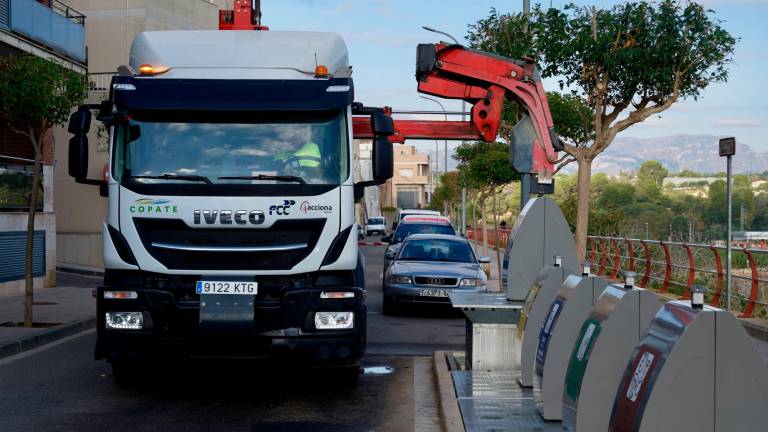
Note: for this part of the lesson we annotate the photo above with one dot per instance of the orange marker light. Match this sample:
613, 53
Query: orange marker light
146, 69
321, 71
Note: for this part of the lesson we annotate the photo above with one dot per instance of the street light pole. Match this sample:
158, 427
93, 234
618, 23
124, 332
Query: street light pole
728, 149
445, 115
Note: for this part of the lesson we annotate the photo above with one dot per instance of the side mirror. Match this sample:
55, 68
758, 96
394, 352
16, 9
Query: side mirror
390, 254
484, 260
382, 125
387, 238
383, 159
78, 156
80, 122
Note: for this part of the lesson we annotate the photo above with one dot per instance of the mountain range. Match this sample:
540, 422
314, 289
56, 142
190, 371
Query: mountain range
676, 152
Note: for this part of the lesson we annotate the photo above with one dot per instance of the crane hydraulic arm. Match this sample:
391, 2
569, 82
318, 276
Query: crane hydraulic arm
483, 80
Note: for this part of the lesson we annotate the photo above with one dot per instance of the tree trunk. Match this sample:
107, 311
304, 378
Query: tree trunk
496, 237
29, 282
582, 206
474, 221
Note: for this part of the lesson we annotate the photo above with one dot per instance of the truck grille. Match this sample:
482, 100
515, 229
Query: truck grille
176, 232
436, 281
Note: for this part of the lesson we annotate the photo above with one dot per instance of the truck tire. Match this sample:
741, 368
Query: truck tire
125, 374
347, 377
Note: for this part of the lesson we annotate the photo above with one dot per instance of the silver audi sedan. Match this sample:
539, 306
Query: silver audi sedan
427, 267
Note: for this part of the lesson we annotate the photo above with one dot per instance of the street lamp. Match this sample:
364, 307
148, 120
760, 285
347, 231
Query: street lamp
728, 149
442, 33
445, 115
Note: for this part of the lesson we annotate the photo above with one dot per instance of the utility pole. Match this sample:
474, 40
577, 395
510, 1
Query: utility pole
728, 149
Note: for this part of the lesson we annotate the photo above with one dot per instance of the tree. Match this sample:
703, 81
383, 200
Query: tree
629, 62
650, 178
35, 95
485, 168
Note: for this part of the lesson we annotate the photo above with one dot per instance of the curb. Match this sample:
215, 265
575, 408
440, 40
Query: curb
26, 343
78, 271
450, 415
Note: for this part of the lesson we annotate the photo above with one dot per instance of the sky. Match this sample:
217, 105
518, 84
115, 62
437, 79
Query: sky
382, 36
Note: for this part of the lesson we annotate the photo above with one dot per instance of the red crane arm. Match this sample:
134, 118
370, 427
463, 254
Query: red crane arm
483, 80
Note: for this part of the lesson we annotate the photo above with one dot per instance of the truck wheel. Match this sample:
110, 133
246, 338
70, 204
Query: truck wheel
125, 374
347, 377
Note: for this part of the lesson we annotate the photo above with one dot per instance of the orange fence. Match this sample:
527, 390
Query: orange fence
676, 267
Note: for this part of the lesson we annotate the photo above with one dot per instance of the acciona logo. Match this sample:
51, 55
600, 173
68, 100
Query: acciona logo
306, 207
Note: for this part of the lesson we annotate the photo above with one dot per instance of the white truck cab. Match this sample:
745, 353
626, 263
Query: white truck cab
230, 170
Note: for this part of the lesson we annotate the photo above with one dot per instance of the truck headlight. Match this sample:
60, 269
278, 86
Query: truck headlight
125, 320
471, 282
334, 320
400, 279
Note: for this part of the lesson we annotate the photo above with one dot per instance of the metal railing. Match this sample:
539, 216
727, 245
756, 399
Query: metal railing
50, 24
673, 267
100, 81
495, 236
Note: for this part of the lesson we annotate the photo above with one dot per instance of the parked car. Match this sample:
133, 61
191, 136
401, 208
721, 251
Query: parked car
427, 267
375, 225
405, 212
416, 224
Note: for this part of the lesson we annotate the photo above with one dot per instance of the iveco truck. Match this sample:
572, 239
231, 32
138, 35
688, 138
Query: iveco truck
230, 228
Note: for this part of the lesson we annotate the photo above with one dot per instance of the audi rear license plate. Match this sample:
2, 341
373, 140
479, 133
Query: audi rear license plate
227, 287
433, 293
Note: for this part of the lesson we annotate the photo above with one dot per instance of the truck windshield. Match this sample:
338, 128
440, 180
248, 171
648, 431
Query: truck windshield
232, 147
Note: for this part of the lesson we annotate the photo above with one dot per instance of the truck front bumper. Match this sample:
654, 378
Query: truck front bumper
276, 328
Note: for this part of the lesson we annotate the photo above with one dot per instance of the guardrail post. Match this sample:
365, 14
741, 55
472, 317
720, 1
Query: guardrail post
630, 254
719, 287
603, 257
667, 269
616, 259
647, 273
691, 272
753, 294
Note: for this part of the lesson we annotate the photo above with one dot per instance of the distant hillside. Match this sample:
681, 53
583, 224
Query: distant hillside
677, 152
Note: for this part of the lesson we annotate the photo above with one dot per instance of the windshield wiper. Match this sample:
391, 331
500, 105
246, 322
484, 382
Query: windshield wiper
175, 177
285, 178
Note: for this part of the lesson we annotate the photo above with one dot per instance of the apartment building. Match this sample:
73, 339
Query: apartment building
110, 26
410, 184
52, 30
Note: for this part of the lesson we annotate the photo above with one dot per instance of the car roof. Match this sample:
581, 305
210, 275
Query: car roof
427, 218
436, 237
418, 211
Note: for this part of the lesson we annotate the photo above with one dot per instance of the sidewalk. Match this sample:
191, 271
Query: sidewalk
70, 307
493, 278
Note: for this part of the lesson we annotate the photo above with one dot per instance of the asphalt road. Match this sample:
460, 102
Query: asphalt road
59, 387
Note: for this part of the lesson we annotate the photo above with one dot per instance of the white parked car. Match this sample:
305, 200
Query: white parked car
375, 225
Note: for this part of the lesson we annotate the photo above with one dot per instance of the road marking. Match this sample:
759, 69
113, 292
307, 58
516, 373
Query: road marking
45, 347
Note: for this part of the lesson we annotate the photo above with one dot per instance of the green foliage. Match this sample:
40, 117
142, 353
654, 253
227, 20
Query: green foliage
627, 208
39, 93
484, 165
389, 209
447, 192
572, 117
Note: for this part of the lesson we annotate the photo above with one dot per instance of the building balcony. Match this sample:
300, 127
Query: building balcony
44, 26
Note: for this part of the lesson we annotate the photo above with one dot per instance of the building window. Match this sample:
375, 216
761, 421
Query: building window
423, 170
406, 173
